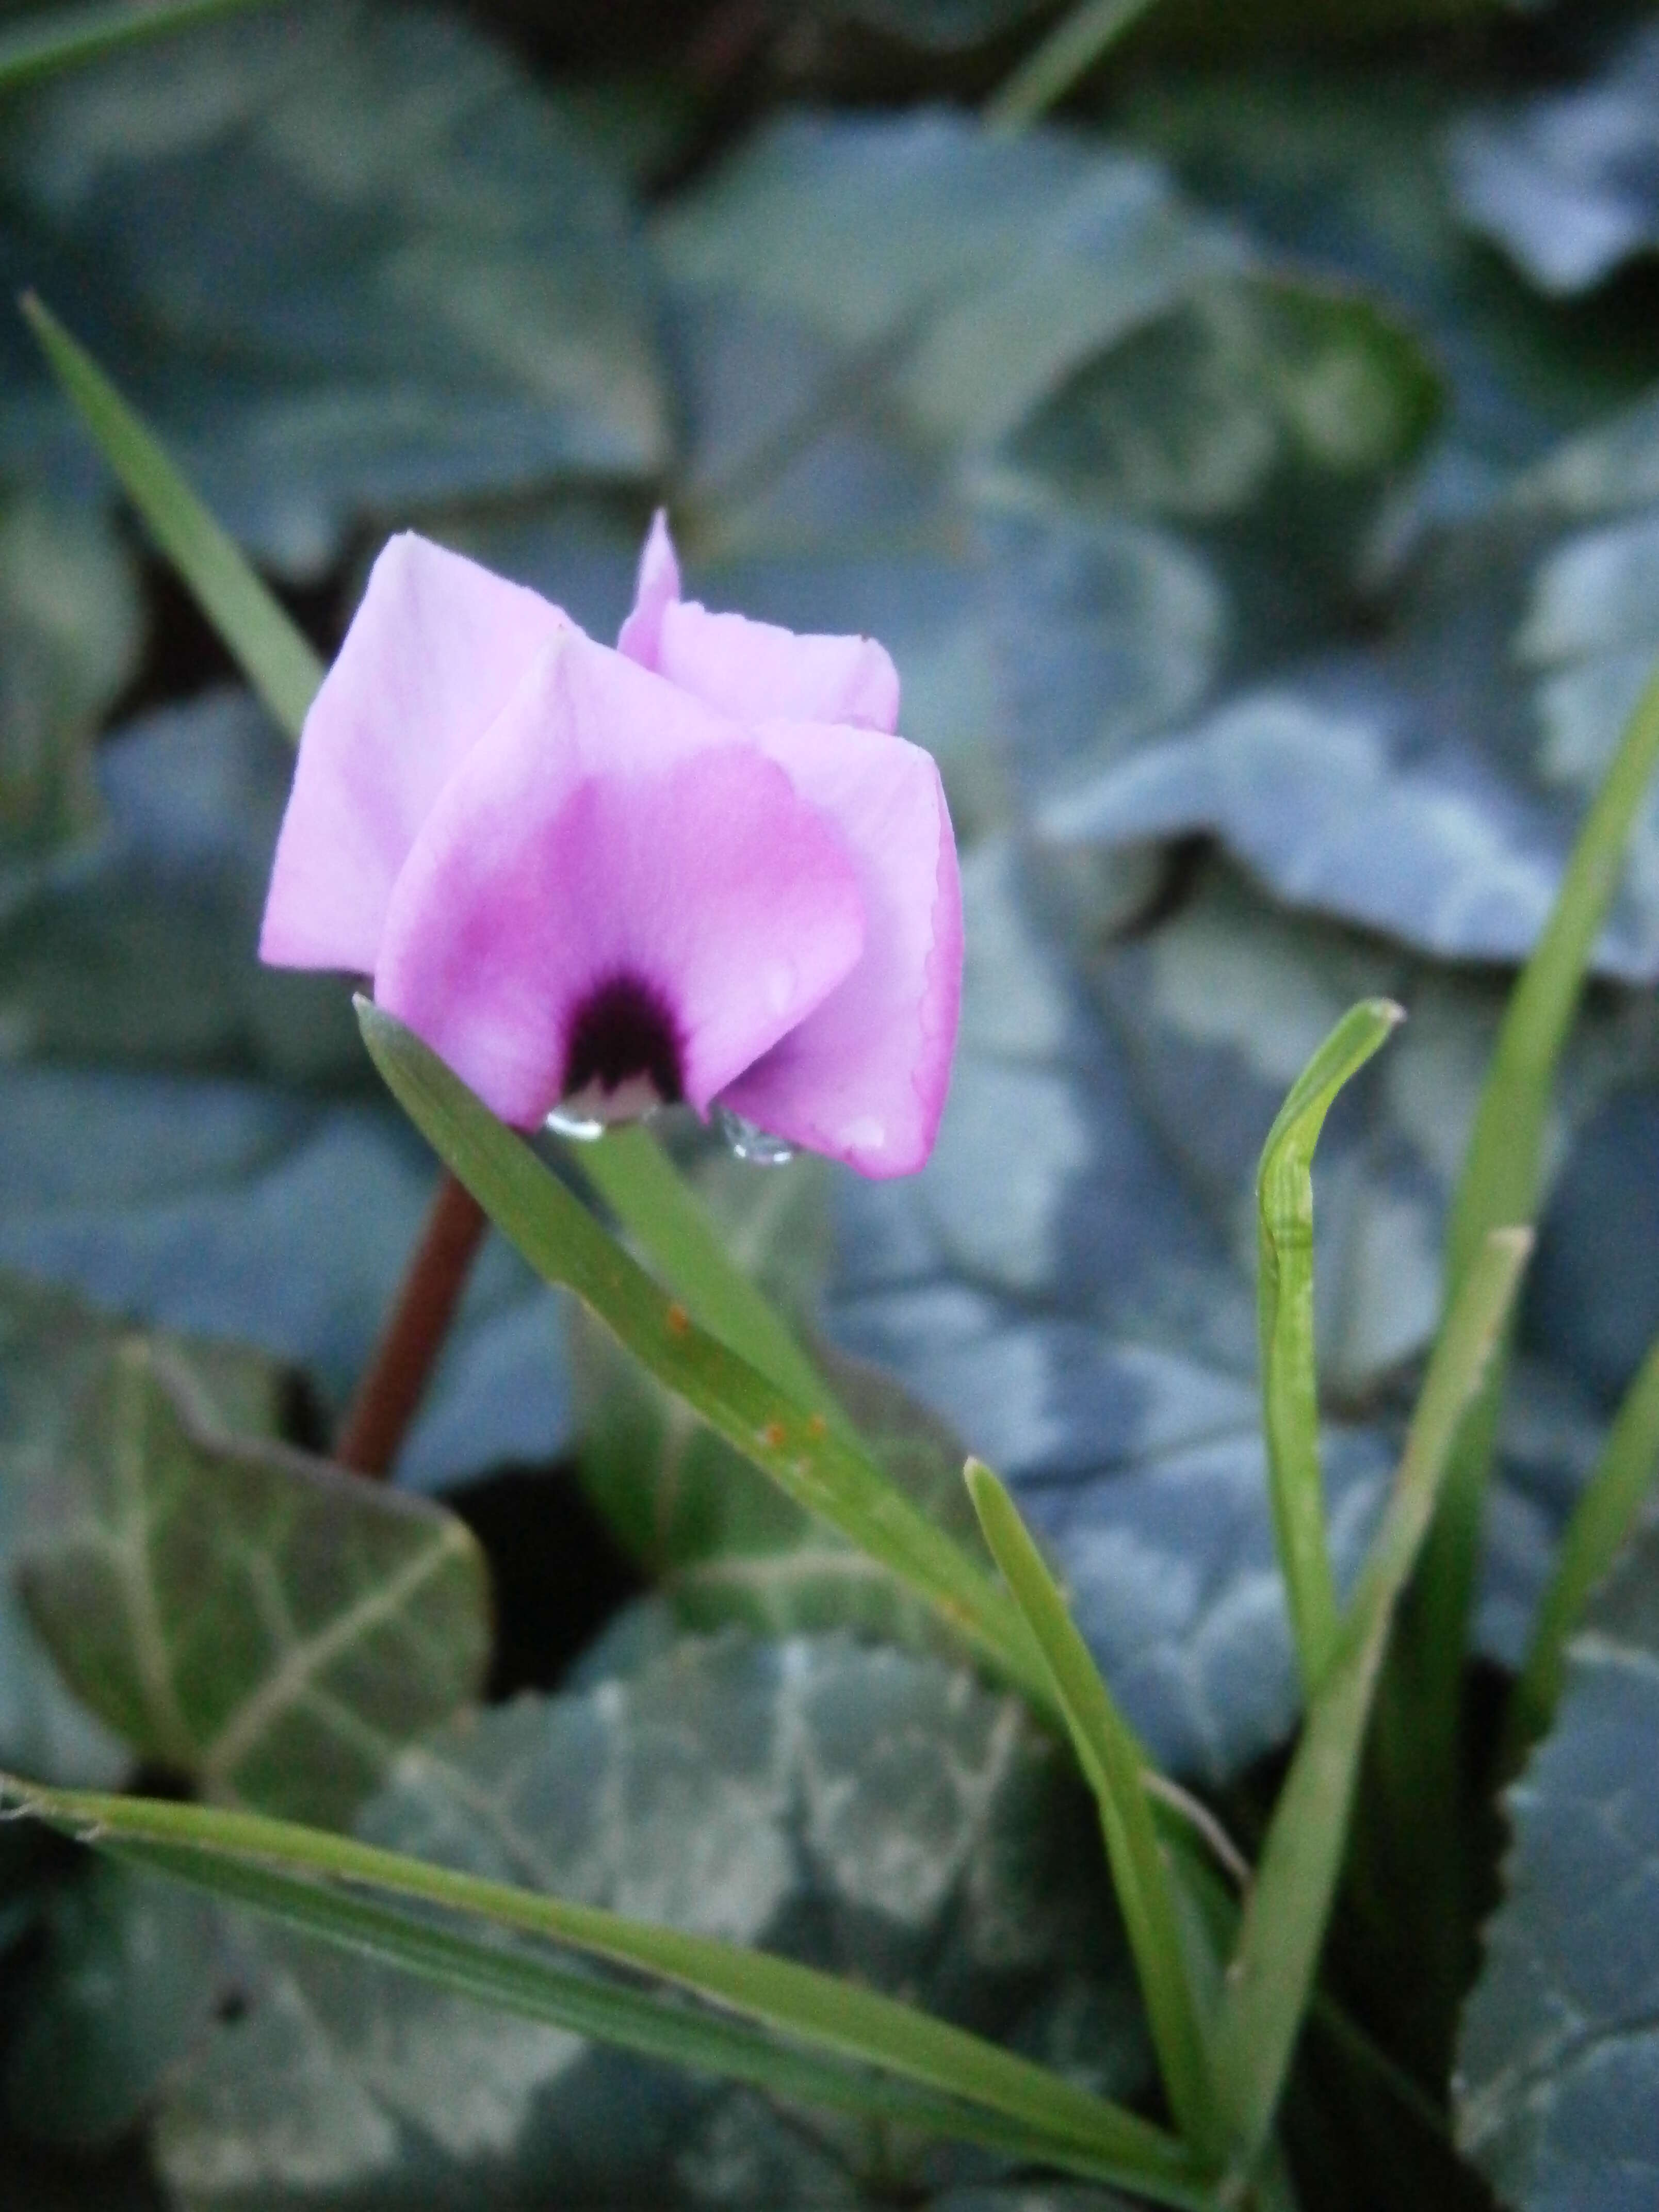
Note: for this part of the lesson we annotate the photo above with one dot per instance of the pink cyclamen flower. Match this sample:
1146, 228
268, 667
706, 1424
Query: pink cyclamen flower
700, 866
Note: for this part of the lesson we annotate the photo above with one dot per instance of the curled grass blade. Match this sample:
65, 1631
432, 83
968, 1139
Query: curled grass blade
831, 2017
813, 1463
276, 658
69, 36
1603, 1518
1112, 1761
1271, 1979
1284, 1309
1049, 72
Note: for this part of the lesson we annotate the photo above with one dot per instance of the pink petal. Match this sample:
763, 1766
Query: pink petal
752, 671
435, 651
864, 1077
610, 828
659, 586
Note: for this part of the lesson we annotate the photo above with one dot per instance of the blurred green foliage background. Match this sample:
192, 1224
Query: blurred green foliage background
1253, 468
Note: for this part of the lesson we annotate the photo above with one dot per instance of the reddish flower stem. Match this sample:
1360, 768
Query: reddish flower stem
377, 1418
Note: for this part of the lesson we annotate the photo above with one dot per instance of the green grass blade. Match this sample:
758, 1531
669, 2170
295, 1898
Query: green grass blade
636, 2019
1602, 1519
1416, 1826
1504, 1167
41, 46
843, 2020
1285, 1308
1112, 1761
672, 1225
272, 655
1068, 53
814, 1463
1270, 1980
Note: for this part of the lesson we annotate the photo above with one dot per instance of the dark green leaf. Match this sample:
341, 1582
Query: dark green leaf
151, 1193
65, 38
1568, 183
957, 321
254, 1619
1558, 2081
1343, 173
456, 307
68, 641
52, 1351
126, 1987
870, 1813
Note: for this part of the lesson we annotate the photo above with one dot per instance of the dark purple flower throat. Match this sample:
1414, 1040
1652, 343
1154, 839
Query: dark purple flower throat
623, 1031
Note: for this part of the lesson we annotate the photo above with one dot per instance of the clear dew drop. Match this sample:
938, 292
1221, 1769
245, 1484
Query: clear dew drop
746, 1142
582, 1127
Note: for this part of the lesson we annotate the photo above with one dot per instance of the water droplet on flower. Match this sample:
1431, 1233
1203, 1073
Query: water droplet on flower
746, 1142
582, 1126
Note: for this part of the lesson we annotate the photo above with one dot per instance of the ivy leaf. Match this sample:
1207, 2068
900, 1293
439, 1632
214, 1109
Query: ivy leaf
1557, 2080
1568, 183
148, 1193
865, 1811
250, 1617
1428, 784
143, 946
1343, 173
1070, 1281
68, 641
457, 309
52, 1351
1014, 262
127, 1985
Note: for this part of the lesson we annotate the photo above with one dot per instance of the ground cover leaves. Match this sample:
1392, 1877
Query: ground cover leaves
1427, 784
865, 1811
53, 1350
1557, 2087
1107, 474
147, 1185
1568, 182
69, 637
349, 260
1070, 1281
241, 1613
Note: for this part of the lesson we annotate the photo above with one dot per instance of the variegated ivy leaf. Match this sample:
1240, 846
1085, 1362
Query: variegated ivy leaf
68, 640
349, 260
254, 1619
875, 1814
1425, 784
1568, 182
1558, 2082
1343, 173
1070, 1281
127, 1973
52, 1351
